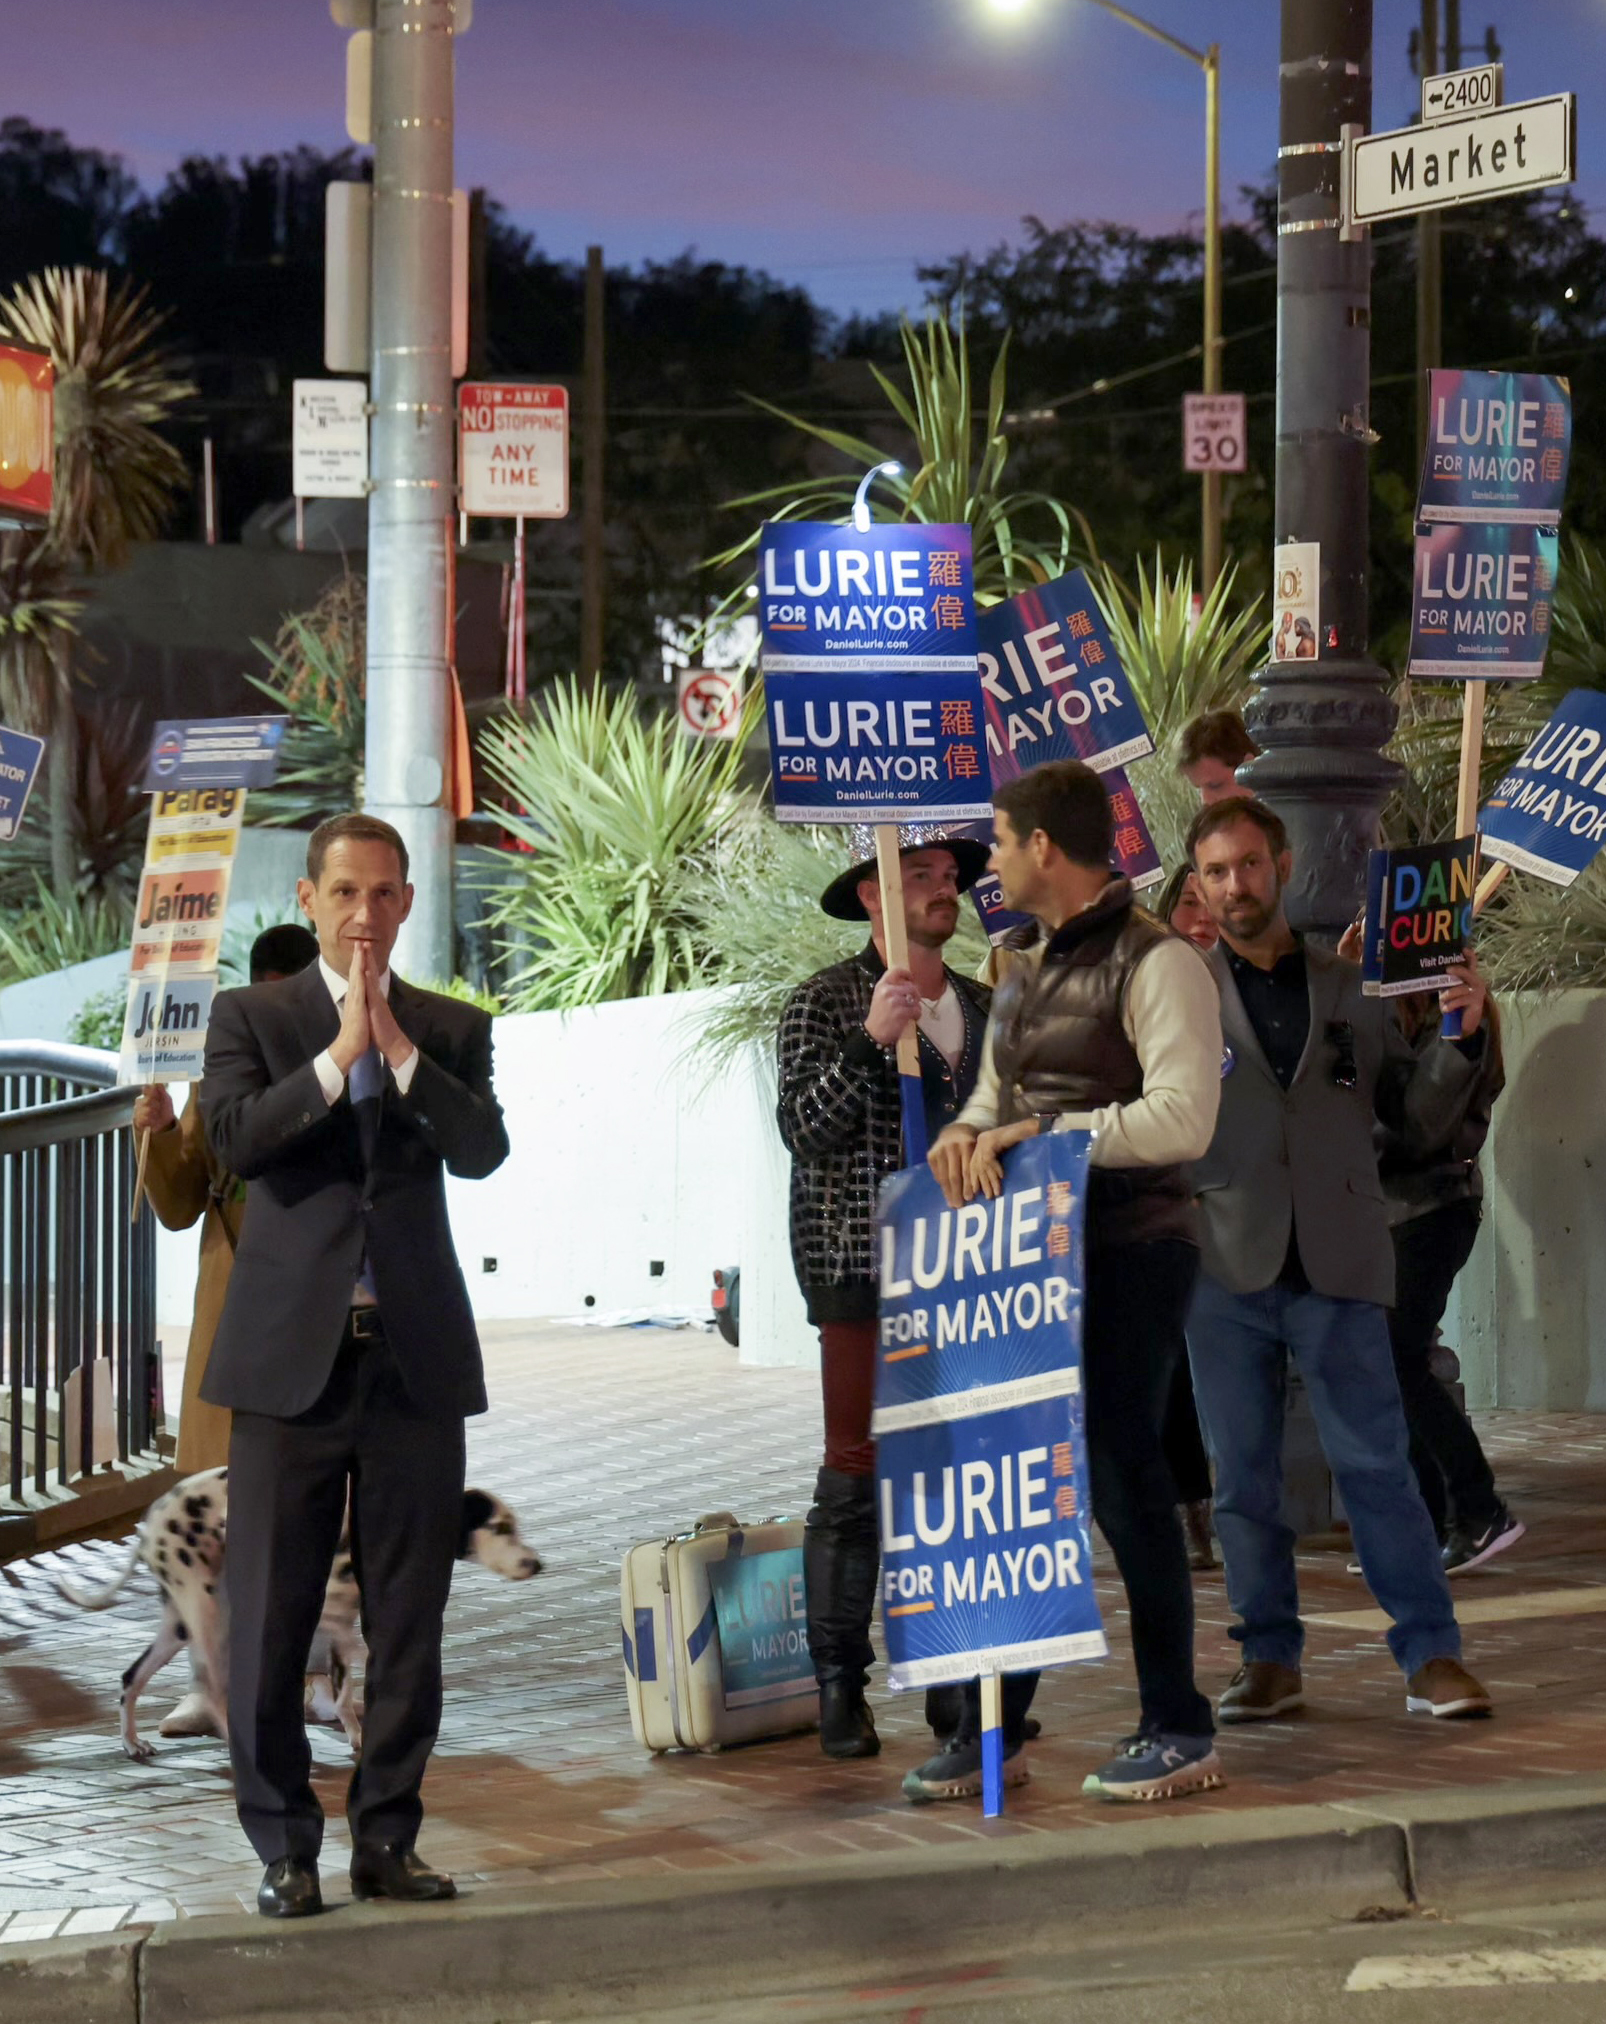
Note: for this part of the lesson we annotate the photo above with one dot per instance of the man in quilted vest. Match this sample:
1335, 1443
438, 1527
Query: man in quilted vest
1108, 1022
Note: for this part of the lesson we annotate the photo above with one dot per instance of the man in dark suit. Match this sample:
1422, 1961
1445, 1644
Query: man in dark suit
346, 1351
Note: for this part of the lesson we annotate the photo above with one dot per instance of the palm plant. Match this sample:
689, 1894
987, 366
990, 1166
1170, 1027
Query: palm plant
115, 476
317, 673
613, 814
54, 931
1179, 665
957, 474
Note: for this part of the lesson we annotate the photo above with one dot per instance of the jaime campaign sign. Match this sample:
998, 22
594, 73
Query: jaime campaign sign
1053, 684
889, 599
1497, 450
1418, 916
1481, 602
979, 1422
1547, 814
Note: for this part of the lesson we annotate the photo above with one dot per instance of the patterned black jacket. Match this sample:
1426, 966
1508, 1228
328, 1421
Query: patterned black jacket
839, 1117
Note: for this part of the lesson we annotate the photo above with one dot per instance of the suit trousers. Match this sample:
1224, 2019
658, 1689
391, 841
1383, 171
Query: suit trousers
288, 1484
1239, 1345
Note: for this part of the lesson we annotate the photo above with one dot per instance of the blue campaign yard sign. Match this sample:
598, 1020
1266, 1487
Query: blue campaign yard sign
851, 747
19, 769
1481, 602
981, 1450
1498, 446
1054, 686
214, 752
893, 598
1547, 814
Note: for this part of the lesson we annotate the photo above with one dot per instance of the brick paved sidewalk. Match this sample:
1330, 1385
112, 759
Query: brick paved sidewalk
602, 1438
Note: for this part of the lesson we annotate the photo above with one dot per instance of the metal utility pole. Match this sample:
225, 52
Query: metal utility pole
1429, 248
411, 459
592, 519
1322, 724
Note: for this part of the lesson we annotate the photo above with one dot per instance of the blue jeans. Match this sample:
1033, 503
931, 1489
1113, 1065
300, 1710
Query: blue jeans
1239, 1345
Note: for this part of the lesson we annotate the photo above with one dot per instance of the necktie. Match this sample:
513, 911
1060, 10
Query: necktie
365, 1083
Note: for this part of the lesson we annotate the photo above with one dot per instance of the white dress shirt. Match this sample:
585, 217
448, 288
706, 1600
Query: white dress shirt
330, 1079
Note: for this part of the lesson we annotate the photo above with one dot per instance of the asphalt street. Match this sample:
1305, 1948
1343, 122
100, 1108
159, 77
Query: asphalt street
1511, 1965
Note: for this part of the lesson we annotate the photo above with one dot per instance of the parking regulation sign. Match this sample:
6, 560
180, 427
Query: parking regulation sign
513, 451
710, 703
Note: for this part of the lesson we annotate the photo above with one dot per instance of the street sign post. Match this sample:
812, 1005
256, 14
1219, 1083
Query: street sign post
1215, 433
1454, 92
1495, 153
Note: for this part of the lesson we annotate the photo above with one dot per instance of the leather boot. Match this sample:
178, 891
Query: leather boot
841, 1558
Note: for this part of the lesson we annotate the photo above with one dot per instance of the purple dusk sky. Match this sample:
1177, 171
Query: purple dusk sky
835, 142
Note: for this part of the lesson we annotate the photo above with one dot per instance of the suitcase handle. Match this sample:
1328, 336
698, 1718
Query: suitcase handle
717, 1521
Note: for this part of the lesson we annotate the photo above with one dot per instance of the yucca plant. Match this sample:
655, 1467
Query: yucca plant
317, 674
1017, 538
613, 813
53, 932
1179, 665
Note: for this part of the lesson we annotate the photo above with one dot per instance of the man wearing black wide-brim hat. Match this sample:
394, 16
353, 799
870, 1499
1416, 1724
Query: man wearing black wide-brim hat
839, 1114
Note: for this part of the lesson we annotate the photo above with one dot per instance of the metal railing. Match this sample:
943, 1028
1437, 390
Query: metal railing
77, 1275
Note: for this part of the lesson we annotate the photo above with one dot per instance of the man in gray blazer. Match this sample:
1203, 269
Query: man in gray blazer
1297, 1261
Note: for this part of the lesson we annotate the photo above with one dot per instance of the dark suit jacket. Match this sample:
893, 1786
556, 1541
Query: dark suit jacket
315, 1208
1303, 1158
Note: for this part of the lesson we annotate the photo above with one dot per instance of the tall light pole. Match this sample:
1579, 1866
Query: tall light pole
408, 723
1209, 61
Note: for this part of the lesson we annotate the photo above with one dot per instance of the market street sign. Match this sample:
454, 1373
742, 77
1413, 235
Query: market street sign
1460, 161
1454, 92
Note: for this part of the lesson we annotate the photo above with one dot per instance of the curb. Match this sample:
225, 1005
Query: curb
584, 1950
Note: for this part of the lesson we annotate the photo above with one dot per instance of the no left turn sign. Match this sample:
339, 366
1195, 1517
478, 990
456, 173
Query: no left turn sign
710, 703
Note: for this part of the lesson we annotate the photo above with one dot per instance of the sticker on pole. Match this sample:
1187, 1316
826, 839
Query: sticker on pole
897, 598
513, 451
1053, 684
1296, 601
1547, 814
1215, 432
710, 702
20, 757
214, 752
980, 1423
1498, 448
1481, 602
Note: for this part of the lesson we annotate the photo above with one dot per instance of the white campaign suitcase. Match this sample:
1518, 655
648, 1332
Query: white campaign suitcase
716, 1645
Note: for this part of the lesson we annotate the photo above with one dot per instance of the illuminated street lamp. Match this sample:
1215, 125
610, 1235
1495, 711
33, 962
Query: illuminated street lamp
1209, 61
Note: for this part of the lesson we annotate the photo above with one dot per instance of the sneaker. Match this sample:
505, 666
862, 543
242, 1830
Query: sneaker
1160, 1766
1260, 1690
1445, 1688
955, 1773
1467, 1549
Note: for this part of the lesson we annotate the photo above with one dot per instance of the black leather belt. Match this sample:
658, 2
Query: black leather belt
365, 1324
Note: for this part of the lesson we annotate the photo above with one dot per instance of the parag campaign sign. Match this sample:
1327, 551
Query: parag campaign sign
1547, 814
1481, 601
979, 1422
870, 686
1497, 449
1053, 684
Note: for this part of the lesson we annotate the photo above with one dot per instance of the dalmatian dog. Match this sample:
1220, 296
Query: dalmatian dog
181, 1540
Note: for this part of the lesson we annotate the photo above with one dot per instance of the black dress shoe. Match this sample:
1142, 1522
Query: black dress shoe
387, 1869
289, 1889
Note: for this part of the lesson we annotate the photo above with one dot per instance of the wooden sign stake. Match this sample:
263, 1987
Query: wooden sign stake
889, 868
139, 1175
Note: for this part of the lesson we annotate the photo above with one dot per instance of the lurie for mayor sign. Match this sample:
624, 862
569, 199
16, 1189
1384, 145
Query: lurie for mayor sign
1481, 601
870, 686
979, 1422
1498, 448
1547, 814
1053, 685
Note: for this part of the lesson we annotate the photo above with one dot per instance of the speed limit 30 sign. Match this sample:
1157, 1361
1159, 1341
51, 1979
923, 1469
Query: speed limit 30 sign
1215, 433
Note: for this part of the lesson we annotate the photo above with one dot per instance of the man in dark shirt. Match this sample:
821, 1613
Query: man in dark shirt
1298, 1261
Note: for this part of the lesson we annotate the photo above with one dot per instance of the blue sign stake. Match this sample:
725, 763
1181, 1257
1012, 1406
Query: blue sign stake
992, 1745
